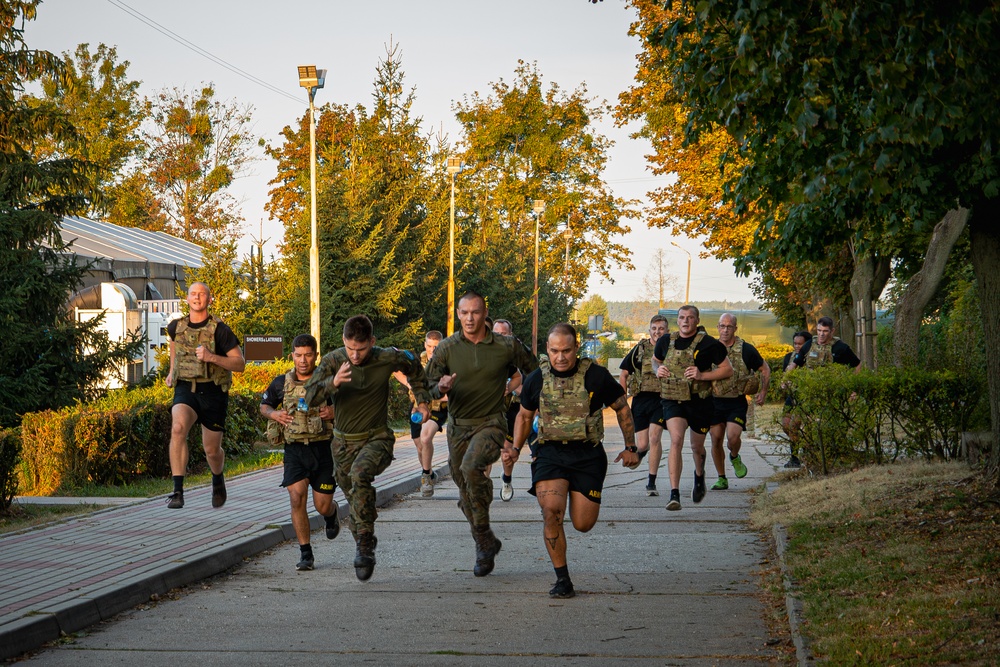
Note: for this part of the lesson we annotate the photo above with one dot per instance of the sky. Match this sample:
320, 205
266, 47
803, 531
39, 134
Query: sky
450, 48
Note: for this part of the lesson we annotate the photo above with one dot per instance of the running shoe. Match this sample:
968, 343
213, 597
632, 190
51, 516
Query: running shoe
721, 485
674, 503
738, 467
794, 463
506, 492
651, 490
698, 492
306, 563
563, 589
427, 483
175, 500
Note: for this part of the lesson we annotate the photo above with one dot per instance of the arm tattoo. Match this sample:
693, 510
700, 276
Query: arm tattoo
625, 421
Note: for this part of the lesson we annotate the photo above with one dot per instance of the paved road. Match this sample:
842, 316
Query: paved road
654, 587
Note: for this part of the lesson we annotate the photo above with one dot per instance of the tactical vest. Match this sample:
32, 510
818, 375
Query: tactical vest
306, 426
564, 408
742, 382
187, 366
820, 355
644, 378
677, 387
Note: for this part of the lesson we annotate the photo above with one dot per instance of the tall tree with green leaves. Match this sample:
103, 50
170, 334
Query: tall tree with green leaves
198, 146
95, 93
47, 359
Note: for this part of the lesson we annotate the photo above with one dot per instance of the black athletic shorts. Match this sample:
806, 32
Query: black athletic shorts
584, 465
512, 411
313, 462
646, 410
698, 412
730, 410
208, 401
437, 416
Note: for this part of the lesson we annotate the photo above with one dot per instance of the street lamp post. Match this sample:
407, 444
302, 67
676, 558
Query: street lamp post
539, 208
454, 166
313, 79
687, 289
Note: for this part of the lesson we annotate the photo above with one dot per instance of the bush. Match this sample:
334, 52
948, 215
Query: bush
774, 354
121, 437
849, 419
10, 458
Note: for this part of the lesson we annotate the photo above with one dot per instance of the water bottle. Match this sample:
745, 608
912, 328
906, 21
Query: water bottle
416, 418
302, 405
534, 424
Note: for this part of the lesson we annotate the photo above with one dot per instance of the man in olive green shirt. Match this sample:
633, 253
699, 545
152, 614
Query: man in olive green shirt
472, 366
356, 377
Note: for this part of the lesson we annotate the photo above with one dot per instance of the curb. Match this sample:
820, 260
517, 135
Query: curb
31, 632
793, 605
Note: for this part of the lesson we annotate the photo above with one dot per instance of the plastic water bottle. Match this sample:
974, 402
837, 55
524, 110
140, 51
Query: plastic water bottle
416, 418
534, 424
302, 405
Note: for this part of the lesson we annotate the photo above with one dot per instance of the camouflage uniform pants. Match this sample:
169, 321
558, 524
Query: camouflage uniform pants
356, 464
470, 450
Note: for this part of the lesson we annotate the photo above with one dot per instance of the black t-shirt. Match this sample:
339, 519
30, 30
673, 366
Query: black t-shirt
628, 363
274, 395
787, 360
602, 387
709, 351
842, 354
225, 339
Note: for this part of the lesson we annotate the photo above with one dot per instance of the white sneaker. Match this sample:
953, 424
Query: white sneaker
427, 485
507, 492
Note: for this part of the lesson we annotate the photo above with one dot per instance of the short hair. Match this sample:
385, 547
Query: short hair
804, 335
433, 334
472, 294
305, 340
659, 318
825, 322
203, 284
358, 328
735, 323
507, 324
697, 313
562, 329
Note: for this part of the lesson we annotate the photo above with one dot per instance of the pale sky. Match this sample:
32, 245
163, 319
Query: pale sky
450, 48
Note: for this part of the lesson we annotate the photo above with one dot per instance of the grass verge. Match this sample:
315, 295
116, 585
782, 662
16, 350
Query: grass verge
895, 565
19, 517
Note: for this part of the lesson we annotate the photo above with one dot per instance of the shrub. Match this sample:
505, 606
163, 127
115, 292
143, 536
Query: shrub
10, 458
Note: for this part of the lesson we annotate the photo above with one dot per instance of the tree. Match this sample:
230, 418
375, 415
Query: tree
198, 147
94, 92
47, 360
857, 124
658, 280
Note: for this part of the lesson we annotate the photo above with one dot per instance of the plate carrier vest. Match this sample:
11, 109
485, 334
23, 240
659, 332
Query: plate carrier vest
820, 355
564, 408
645, 379
307, 426
742, 382
187, 366
677, 387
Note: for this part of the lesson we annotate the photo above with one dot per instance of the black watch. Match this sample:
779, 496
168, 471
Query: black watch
632, 449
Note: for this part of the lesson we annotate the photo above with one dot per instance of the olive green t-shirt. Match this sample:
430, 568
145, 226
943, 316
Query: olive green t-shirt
481, 372
363, 403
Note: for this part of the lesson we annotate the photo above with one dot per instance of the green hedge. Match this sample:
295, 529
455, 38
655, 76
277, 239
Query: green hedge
848, 419
119, 438
10, 459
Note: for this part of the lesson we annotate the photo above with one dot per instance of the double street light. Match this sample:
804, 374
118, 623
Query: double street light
454, 166
313, 79
539, 208
687, 289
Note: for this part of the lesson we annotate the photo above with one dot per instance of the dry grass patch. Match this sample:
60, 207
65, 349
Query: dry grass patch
896, 565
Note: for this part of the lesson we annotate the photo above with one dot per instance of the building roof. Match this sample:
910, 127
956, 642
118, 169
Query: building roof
91, 238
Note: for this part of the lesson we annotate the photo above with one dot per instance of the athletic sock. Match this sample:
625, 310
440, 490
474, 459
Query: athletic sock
306, 549
426, 472
217, 479
722, 476
562, 572
732, 457
178, 483
506, 478
652, 480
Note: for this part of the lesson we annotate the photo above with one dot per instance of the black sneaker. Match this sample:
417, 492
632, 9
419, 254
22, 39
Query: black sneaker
332, 525
794, 463
306, 563
674, 503
698, 492
219, 494
563, 589
175, 500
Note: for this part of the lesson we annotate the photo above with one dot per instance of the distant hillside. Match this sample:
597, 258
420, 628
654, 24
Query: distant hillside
636, 314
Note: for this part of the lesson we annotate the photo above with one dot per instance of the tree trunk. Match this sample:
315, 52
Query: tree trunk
871, 273
984, 231
923, 285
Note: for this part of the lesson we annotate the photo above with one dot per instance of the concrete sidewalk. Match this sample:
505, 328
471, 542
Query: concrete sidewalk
65, 577
653, 587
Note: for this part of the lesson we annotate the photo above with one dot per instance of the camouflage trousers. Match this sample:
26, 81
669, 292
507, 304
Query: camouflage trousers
470, 450
356, 464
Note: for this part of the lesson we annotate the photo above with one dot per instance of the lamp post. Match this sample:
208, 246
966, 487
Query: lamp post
539, 208
454, 166
312, 79
687, 289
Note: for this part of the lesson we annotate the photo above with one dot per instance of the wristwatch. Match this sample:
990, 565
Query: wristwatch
632, 449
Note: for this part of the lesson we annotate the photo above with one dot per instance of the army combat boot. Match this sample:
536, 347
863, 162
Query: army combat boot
487, 547
364, 558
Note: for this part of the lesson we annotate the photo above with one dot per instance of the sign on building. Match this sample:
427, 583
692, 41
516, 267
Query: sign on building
263, 348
